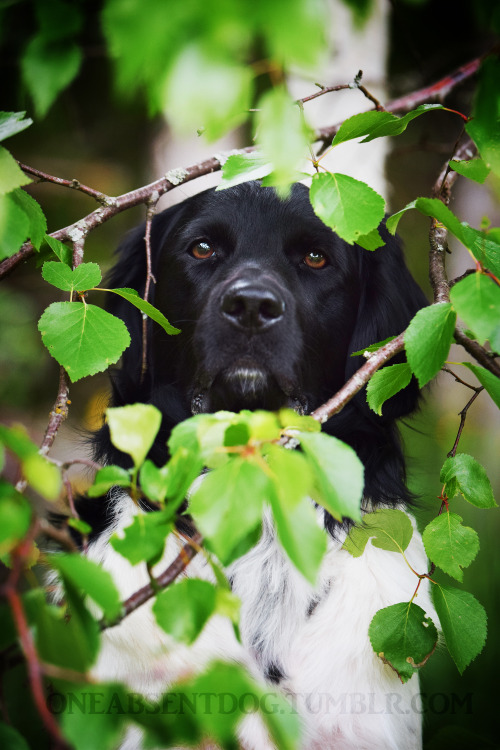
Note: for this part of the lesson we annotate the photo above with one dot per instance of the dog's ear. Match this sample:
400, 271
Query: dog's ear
390, 297
130, 271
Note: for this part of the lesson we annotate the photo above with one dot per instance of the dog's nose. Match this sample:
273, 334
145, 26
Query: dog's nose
249, 305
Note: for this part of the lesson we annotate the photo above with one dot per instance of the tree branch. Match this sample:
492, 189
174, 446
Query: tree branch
140, 597
177, 177
358, 380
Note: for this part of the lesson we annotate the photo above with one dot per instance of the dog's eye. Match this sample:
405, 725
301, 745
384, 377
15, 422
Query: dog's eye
202, 251
315, 260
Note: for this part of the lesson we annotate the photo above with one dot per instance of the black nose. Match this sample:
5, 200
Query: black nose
250, 305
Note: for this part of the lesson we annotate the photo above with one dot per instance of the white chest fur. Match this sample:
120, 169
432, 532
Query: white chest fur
316, 639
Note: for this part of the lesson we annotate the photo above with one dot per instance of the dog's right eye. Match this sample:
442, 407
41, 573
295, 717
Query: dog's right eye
202, 251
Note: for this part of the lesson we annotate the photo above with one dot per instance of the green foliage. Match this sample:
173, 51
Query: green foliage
42, 475
375, 124
450, 545
403, 636
477, 301
462, 473
133, 429
350, 207
183, 609
83, 338
387, 529
484, 126
463, 621
96, 582
145, 539
386, 383
133, 297
474, 169
428, 339
52, 58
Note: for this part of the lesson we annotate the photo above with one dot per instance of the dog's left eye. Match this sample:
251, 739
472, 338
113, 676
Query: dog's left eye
315, 260
202, 251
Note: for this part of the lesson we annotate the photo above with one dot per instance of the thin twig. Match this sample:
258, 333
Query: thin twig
58, 413
140, 597
152, 203
72, 184
358, 380
463, 415
177, 177
35, 674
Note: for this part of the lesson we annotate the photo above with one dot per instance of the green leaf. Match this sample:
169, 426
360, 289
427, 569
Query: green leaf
484, 247
105, 728
240, 168
428, 339
462, 473
489, 381
108, 477
133, 429
375, 124
209, 90
388, 529
12, 123
11, 175
91, 578
15, 517
463, 621
183, 609
10, 738
338, 474
79, 525
303, 540
403, 636
350, 207
282, 136
474, 169
154, 481
83, 277
144, 540
47, 69
227, 505
371, 241
83, 338
290, 421
291, 474
484, 127
293, 31
477, 301
36, 217
43, 476
432, 207
385, 383
450, 545
14, 226
133, 297
63, 252
372, 347
68, 638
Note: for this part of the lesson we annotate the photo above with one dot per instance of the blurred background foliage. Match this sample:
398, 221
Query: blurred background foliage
107, 136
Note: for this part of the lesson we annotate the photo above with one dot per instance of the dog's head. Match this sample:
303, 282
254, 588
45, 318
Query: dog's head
270, 303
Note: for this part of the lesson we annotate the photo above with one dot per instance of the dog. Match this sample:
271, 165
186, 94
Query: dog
271, 303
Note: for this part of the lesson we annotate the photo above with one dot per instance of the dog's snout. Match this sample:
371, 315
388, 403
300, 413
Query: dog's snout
250, 305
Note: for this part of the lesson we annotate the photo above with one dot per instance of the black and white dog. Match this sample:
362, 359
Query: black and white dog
271, 303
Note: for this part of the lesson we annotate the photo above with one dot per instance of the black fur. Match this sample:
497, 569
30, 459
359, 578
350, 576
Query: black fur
256, 305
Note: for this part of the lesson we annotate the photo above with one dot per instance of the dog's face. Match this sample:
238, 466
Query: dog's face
270, 303
266, 297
